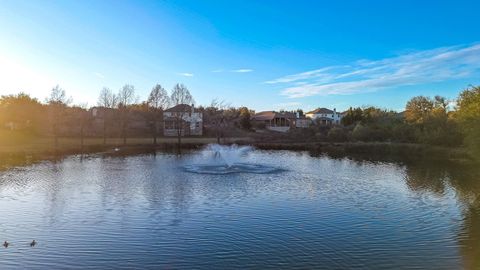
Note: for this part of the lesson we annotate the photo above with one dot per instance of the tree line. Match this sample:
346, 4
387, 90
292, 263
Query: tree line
120, 113
425, 120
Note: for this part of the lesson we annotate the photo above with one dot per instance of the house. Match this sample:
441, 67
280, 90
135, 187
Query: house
325, 116
183, 118
280, 121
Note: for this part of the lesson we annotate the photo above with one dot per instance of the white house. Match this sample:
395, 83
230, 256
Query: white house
325, 116
190, 119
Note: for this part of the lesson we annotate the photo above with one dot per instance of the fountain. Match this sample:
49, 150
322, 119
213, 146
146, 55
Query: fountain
227, 159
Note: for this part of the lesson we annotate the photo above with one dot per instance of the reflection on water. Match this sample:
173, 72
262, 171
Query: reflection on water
147, 212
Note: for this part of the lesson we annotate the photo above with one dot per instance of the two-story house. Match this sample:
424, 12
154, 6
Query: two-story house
183, 118
325, 116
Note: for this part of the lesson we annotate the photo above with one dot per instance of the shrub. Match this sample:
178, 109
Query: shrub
337, 134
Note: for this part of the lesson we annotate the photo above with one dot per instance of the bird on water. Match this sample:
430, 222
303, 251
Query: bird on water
6, 244
33, 243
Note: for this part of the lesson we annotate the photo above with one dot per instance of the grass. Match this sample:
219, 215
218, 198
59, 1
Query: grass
17, 148
46, 144
20, 148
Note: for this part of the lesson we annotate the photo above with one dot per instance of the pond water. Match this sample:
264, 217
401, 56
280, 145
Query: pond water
153, 212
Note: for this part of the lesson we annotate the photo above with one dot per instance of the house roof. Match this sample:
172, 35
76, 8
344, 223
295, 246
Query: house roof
321, 110
181, 108
269, 115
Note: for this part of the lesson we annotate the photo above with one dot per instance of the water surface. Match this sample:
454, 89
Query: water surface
147, 212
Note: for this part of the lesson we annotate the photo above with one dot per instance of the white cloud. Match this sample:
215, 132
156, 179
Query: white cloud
99, 75
288, 105
362, 76
186, 74
242, 70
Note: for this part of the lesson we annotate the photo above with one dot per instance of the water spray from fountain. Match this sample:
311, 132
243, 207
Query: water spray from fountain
227, 159
227, 154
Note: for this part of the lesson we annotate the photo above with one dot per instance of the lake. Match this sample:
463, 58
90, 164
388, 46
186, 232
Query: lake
148, 211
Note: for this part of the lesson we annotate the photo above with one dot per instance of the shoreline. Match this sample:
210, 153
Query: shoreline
24, 154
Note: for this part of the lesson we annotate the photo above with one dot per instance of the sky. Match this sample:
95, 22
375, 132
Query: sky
266, 55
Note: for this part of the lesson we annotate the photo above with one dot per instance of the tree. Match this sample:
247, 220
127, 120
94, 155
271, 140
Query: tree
108, 101
21, 112
82, 118
245, 117
440, 102
126, 97
418, 109
361, 133
180, 96
157, 101
468, 115
57, 103
216, 117
431, 122
352, 116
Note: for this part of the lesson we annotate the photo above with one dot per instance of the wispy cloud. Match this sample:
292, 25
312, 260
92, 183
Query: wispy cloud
288, 105
242, 70
99, 75
412, 68
186, 74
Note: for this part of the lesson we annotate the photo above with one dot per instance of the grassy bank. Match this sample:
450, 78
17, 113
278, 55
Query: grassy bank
375, 150
20, 149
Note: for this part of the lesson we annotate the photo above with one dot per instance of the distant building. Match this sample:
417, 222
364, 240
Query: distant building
280, 121
325, 116
187, 117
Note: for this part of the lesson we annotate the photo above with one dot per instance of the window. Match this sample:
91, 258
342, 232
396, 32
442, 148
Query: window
168, 124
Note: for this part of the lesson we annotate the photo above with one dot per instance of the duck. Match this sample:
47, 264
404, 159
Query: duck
33, 243
6, 244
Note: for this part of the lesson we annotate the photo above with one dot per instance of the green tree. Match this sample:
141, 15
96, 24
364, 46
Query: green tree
21, 112
245, 117
418, 109
352, 116
361, 133
468, 115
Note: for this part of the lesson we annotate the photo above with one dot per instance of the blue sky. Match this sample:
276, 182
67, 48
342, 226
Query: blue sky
261, 54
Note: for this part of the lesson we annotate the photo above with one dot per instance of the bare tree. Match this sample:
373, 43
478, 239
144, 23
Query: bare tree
84, 119
108, 101
157, 101
57, 102
180, 96
126, 97
216, 117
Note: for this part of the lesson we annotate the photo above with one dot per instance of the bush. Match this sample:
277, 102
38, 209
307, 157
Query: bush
337, 134
361, 133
